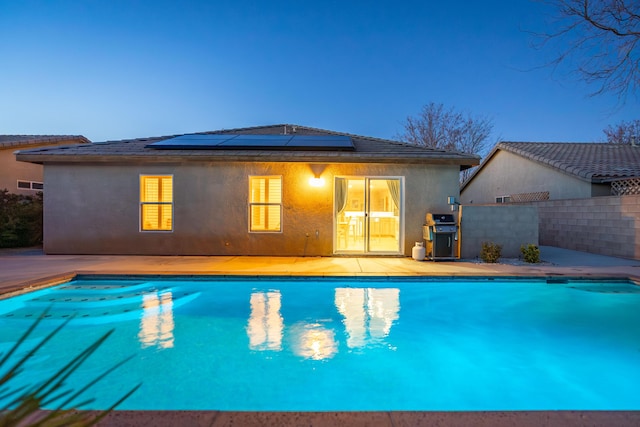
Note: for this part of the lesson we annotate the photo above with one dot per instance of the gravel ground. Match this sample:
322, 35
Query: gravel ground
506, 261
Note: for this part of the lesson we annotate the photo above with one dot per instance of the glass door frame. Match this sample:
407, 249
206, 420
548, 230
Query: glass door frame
366, 209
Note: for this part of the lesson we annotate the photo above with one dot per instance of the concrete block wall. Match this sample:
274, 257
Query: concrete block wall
508, 225
600, 225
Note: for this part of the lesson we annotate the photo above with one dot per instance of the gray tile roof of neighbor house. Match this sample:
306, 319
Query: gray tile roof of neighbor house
367, 150
17, 141
592, 162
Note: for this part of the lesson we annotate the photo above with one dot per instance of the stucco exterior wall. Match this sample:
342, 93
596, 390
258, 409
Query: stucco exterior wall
508, 225
603, 225
507, 173
94, 208
11, 171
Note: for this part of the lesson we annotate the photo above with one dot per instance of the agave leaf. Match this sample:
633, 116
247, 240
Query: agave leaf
57, 380
15, 369
22, 339
27, 402
5, 392
94, 381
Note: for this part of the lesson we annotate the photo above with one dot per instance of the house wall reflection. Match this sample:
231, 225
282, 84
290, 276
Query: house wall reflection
368, 315
156, 324
266, 325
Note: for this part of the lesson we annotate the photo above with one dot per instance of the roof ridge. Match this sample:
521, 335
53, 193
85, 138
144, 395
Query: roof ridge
37, 135
555, 143
368, 150
561, 164
595, 162
331, 132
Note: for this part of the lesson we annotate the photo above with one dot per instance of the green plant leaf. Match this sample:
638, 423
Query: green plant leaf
25, 407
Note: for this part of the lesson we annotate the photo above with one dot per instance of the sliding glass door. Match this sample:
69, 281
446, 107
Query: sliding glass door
368, 215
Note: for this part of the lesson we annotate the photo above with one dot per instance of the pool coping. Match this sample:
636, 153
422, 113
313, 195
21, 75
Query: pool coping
56, 279
568, 418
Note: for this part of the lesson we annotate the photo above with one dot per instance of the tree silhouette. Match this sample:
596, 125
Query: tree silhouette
437, 126
600, 40
624, 133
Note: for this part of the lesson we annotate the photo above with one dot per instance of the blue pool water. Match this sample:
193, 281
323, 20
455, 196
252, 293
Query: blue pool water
343, 344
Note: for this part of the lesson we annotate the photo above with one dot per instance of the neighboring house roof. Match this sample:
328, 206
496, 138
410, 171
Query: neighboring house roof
367, 149
591, 162
17, 141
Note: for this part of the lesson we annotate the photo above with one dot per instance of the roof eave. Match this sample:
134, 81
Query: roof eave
48, 141
482, 164
333, 157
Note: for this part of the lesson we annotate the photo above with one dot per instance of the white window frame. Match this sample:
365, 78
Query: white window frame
31, 185
401, 217
250, 204
141, 203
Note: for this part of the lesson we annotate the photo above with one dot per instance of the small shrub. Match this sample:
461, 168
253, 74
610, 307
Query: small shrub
20, 220
490, 252
530, 253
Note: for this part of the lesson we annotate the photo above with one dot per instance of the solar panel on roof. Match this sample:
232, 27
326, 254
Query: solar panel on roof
321, 141
255, 142
190, 142
262, 137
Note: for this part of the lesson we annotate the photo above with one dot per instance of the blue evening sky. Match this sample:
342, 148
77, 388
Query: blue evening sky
113, 69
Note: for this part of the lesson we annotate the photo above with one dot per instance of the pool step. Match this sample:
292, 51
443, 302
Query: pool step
91, 299
106, 315
107, 286
608, 289
89, 304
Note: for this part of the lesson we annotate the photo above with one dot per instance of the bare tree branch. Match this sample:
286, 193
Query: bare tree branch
601, 41
624, 133
445, 128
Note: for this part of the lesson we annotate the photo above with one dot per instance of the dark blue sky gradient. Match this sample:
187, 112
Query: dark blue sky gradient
118, 69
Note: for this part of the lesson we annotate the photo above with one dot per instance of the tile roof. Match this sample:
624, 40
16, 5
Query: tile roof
14, 141
367, 150
592, 162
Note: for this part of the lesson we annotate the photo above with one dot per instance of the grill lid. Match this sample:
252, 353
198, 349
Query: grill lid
440, 219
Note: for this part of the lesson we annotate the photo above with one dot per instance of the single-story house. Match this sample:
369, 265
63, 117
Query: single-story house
272, 190
534, 171
26, 178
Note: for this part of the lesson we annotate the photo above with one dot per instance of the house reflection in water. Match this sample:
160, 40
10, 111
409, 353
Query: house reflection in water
368, 317
266, 325
368, 313
156, 325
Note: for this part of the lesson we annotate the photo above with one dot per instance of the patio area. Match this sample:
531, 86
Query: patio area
30, 267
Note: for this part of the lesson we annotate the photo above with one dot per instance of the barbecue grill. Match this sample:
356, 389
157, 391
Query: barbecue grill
440, 231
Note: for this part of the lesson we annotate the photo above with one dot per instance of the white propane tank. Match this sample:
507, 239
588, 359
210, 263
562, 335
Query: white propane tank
418, 252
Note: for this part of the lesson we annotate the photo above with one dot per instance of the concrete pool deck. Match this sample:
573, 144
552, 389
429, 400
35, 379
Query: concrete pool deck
20, 269
23, 268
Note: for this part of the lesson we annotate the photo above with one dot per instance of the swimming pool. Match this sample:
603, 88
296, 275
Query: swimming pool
343, 344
